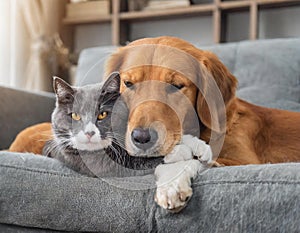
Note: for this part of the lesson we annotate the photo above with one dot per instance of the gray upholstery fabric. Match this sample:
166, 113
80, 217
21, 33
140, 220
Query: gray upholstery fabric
20, 109
267, 71
6, 228
91, 64
38, 191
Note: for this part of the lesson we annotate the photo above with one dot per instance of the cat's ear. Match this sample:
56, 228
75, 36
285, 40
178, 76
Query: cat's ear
112, 83
64, 92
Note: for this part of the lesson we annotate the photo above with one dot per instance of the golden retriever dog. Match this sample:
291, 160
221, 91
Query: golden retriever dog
253, 134
173, 88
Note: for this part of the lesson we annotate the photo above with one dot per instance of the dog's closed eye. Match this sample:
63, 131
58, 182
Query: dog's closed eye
128, 84
174, 88
178, 86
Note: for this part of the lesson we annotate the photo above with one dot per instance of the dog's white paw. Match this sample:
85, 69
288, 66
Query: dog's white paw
180, 152
174, 183
173, 198
199, 148
173, 179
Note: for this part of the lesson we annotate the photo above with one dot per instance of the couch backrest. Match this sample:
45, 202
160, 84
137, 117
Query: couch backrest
91, 64
268, 71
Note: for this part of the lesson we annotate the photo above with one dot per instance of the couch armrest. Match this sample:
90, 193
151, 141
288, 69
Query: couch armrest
20, 109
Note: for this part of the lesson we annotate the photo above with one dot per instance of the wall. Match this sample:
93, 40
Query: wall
273, 23
91, 35
280, 23
196, 30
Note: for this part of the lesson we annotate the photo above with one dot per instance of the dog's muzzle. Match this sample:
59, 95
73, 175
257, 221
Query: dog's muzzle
144, 138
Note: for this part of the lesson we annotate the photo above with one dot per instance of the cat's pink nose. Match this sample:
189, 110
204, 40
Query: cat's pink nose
90, 134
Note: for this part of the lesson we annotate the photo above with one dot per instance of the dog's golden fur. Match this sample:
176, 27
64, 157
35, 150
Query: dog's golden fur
32, 139
253, 134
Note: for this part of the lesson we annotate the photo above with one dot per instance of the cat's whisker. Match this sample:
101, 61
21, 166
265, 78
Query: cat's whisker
53, 147
123, 147
117, 136
116, 152
119, 139
120, 145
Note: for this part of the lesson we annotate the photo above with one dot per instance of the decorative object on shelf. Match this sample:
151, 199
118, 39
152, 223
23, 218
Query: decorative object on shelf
137, 5
166, 4
88, 9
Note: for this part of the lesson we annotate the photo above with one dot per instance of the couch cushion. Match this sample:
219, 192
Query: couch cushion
41, 192
268, 71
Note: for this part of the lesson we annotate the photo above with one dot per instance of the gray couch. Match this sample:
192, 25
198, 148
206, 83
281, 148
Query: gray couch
39, 194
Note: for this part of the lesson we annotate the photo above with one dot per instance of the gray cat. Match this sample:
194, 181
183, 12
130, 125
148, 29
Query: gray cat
89, 125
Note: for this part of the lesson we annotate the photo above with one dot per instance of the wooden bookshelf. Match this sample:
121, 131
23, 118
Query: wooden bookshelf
217, 9
89, 19
183, 12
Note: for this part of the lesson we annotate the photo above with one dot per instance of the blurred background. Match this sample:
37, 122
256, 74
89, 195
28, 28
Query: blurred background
42, 38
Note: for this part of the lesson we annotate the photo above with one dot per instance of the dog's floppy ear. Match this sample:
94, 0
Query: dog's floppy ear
114, 62
217, 88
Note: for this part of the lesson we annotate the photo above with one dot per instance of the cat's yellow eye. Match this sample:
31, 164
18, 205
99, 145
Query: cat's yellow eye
102, 115
75, 116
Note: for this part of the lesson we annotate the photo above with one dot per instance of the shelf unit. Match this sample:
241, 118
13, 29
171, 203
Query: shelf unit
217, 9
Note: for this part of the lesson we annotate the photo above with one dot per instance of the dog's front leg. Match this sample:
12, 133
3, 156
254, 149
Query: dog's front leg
173, 179
174, 183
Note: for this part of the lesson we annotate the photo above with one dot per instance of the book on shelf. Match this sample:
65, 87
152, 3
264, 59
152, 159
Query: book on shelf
88, 8
166, 4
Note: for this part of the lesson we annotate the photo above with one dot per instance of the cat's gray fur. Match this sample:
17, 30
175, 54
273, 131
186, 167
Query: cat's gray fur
103, 155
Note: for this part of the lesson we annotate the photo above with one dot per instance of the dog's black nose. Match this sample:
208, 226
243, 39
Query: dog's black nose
144, 138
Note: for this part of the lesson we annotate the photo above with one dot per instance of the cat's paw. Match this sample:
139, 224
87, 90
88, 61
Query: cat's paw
174, 184
199, 148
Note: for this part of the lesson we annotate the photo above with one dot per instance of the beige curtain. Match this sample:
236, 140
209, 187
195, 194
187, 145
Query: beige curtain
5, 43
37, 42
